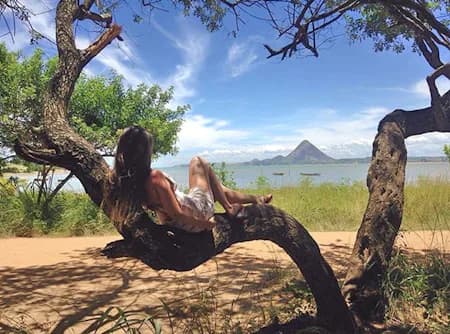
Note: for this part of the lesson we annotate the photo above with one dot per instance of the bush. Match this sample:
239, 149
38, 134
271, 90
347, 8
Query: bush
24, 214
81, 216
261, 183
225, 176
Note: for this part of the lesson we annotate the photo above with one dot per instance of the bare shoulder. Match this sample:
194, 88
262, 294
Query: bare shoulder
157, 177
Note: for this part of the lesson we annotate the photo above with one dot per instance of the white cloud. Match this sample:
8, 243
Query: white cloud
421, 89
42, 15
194, 45
119, 58
430, 144
200, 133
347, 137
241, 58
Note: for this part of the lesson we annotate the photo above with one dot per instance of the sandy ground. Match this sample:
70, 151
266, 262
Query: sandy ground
57, 284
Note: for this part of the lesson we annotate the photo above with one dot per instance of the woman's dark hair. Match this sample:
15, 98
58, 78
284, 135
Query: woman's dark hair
125, 192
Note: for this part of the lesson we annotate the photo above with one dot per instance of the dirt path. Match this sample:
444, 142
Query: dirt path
57, 284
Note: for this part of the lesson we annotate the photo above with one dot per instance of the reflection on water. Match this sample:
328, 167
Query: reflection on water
290, 175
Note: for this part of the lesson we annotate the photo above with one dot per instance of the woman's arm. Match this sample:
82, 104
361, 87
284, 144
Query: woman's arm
173, 209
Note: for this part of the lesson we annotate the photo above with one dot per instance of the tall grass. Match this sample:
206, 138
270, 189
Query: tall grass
323, 207
427, 205
418, 291
340, 206
24, 214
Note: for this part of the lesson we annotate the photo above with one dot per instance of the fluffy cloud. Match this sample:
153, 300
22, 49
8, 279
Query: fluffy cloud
200, 133
349, 136
193, 45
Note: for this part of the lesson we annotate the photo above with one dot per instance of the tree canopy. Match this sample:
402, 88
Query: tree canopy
99, 109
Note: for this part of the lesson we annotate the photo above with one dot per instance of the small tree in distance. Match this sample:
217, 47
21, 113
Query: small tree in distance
447, 151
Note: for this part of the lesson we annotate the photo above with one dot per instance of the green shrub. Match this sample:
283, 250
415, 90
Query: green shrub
81, 216
225, 176
261, 183
24, 214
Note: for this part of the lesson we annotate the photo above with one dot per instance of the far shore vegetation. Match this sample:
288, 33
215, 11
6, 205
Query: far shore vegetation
26, 211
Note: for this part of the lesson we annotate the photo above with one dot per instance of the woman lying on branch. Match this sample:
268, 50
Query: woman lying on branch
133, 185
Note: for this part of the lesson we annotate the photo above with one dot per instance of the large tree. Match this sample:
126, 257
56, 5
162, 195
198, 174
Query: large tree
100, 106
301, 23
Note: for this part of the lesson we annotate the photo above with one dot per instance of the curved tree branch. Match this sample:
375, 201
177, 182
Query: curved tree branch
430, 51
381, 222
106, 38
163, 247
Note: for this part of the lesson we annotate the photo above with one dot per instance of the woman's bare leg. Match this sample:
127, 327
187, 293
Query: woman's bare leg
234, 196
202, 176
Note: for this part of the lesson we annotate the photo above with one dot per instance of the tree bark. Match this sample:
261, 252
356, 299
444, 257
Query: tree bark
362, 288
163, 247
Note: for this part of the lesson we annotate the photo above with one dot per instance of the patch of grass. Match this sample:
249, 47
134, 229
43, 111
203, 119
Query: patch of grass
427, 205
25, 213
323, 207
116, 320
340, 206
418, 291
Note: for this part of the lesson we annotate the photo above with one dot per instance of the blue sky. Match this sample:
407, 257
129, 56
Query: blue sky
244, 106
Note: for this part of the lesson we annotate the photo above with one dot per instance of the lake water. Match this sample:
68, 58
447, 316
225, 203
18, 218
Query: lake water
245, 176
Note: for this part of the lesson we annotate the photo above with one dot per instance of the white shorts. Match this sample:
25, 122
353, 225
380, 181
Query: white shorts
201, 203
198, 203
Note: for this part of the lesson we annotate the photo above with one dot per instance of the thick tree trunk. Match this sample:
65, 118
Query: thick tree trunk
386, 177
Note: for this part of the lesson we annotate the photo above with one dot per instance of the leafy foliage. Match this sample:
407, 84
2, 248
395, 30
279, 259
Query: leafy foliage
100, 107
24, 212
377, 22
261, 183
225, 176
22, 84
447, 151
418, 290
211, 12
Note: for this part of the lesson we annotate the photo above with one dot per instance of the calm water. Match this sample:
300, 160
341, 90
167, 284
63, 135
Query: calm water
245, 176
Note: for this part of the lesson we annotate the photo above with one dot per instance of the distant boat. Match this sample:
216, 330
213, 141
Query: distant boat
310, 174
278, 173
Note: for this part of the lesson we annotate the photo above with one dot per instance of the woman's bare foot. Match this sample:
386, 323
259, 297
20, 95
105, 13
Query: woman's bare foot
265, 199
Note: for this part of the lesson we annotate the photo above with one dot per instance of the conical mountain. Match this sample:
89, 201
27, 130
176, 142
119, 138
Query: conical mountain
307, 152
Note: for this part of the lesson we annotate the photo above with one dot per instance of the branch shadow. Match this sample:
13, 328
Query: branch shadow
68, 295
64, 296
